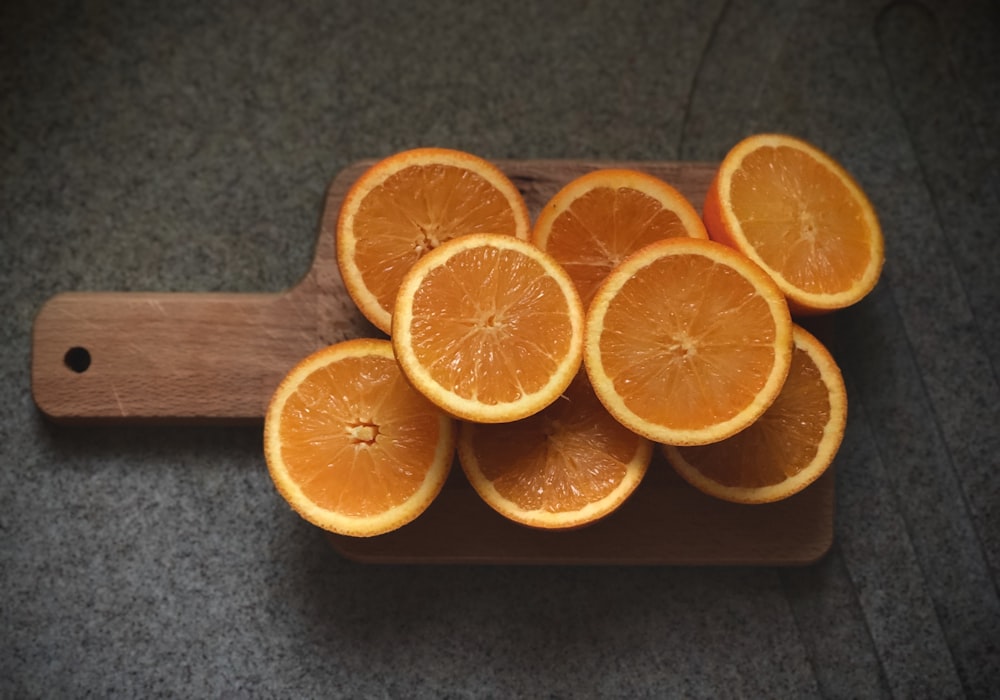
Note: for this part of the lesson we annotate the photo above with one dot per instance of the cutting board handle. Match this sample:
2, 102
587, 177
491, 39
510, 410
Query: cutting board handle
216, 357
190, 357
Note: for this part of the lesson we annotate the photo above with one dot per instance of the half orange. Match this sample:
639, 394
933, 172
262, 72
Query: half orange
567, 466
407, 205
488, 327
788, 447
351, 446
687, 342
795, 211
600, 218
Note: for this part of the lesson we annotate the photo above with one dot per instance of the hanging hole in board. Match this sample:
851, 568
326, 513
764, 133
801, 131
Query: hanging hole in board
77, 359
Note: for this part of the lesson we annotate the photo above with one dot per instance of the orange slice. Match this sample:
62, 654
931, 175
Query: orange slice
797, 213
488, 327
564, 467
407, 205
351, 445
687, 341
600, 218
788, 447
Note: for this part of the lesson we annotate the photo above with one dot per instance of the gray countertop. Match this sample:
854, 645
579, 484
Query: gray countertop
187, 146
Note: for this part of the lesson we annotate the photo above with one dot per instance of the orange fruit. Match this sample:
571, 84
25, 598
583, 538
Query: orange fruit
566, 466
351, 445
687, 341
784, 450
598, 219
793, 210
489, 327
408, 204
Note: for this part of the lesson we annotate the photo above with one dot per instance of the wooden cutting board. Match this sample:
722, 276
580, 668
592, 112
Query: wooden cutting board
118, 357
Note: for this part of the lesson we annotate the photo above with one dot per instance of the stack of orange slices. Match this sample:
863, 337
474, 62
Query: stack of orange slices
552, 358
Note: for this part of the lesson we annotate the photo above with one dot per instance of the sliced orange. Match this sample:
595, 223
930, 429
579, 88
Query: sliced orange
784, 450
408, 204
489, 327
687, 341
598, 219
564, 467
351, 445
793, 210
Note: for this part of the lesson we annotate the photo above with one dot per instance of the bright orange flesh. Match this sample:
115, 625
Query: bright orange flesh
351, 445
569, 465
788, 447
407, 205
489, 328
379, 442
598, 219
687, 342
797, 213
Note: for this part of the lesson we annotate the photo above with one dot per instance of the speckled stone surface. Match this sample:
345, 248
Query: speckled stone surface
187, 147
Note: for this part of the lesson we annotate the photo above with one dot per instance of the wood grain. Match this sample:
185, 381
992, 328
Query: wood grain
208, 358
665, 521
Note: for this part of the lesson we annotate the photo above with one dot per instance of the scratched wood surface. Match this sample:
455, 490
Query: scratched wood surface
209, 358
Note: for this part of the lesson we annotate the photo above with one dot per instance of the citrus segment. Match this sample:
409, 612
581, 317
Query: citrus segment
408, 204
796, 212
784, 450
351, 446
488, 327
598, 219
687, 342
566, 466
